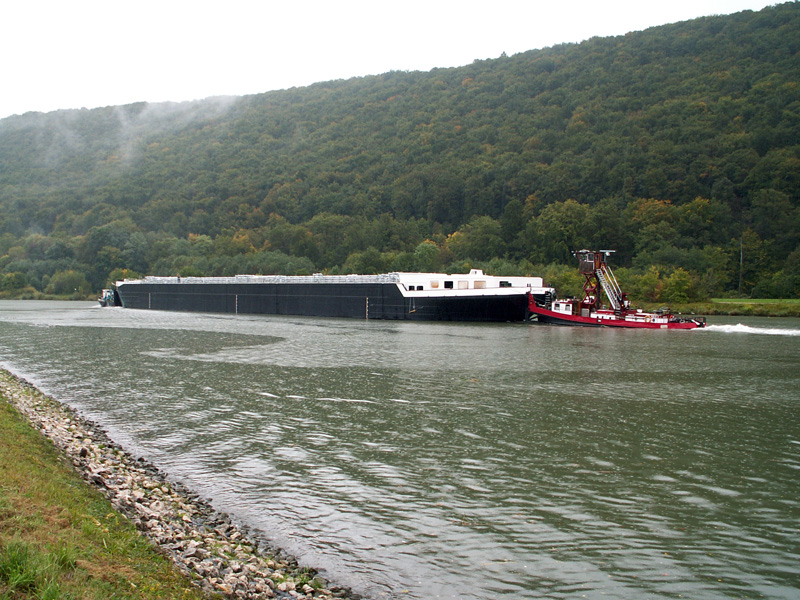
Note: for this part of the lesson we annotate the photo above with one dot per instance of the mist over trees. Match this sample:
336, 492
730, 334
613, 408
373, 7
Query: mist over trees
677, 146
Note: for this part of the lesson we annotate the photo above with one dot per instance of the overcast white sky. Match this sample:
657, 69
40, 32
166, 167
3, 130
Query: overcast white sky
89, 53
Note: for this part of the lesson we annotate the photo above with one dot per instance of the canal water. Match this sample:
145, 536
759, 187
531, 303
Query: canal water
458, 461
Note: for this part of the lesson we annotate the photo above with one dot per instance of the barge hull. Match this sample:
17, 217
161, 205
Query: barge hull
349, 300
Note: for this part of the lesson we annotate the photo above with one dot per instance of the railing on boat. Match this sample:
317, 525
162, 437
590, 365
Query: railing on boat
383, 278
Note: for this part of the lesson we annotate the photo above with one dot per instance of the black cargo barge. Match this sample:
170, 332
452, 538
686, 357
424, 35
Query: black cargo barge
398, 296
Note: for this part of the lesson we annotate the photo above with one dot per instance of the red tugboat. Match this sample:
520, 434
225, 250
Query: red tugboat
590, 311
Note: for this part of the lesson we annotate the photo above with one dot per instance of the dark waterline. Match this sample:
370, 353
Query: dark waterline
416, 460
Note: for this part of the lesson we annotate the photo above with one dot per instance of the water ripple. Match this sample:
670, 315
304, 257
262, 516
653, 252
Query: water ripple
459, 461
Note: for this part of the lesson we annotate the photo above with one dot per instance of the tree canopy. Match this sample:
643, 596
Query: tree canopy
678, 146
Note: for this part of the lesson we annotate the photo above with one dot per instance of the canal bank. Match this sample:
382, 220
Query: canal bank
217, 555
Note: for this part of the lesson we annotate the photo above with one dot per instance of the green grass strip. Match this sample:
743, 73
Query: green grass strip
61, 539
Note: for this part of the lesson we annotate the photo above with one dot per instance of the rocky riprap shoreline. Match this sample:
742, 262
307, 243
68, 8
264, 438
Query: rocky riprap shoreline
216, 554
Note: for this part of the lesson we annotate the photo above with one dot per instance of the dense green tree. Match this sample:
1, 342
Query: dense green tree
68, 282
291, 239
13, 281
480, 239
120, 274
776, 219
560, 228
676, 146
425, 255
677, 287
368, 262
649, 286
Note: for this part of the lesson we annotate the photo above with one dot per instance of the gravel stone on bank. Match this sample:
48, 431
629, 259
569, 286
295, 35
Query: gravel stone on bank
216, 554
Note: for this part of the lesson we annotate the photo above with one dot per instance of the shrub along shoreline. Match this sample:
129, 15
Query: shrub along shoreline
61, 538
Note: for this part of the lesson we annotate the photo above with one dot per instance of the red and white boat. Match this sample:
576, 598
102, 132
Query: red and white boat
590, 312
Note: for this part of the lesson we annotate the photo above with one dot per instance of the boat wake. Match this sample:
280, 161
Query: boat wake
740, 328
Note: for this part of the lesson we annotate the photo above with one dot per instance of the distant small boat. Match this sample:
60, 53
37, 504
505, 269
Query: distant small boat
590, 312
107, 298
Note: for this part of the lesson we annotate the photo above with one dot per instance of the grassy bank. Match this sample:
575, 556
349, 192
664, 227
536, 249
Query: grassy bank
61, 539
738, 307
759, 307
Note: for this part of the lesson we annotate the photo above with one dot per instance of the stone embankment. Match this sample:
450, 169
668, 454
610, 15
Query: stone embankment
207, 546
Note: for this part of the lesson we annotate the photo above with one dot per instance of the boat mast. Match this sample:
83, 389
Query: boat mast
599, 276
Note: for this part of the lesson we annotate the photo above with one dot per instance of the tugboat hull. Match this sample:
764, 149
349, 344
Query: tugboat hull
638, 321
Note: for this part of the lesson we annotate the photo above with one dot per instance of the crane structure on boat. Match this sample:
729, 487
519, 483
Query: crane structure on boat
590, 311
599, 277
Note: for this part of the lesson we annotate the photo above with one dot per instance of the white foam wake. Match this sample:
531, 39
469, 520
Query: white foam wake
741, 328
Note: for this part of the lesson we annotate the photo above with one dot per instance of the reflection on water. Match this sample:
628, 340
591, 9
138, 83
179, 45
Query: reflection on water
414, 460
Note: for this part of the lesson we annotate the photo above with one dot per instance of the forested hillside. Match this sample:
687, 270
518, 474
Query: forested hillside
679, 146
